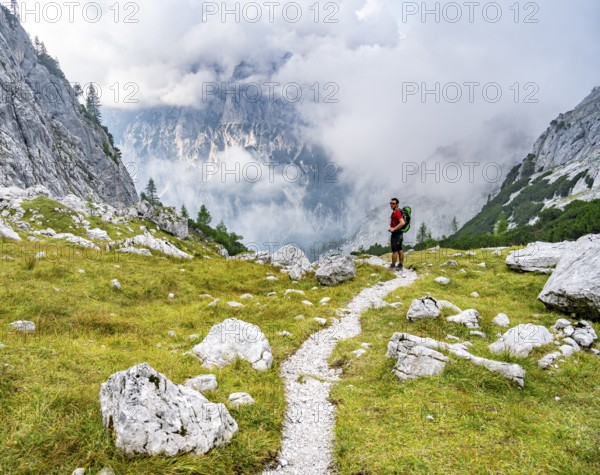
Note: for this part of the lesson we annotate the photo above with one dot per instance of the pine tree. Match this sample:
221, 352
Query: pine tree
151, 196
92, 104
184, 212
501, 225
454, 225
37, 44
422, 234
43, 49
204, 218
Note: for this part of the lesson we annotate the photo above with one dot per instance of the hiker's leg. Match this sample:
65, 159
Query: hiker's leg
394, 258
401, 257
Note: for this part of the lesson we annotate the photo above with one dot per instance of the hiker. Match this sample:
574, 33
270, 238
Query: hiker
396, 224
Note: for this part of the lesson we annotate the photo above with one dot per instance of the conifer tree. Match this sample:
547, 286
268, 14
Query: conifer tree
422, 234
150, 194
454, 225
92, 104
184, 212
204, 218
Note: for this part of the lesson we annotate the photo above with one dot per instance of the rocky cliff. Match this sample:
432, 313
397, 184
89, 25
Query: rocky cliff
45, 136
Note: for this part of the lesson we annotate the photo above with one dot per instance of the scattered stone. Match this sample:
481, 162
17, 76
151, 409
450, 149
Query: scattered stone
195, 336
306, 302
367, 346
359, 353
98, 234
426, 307
172, 296
81, 271
475, 295
450, 263
584, 334
271, 294
272, 278
452, 337
299, 317
501, 320
240, 399
151, 415
483, 265
325, 300
469, 318
172, 334
115, 285
205, 296
40, 255
556, 398
430, 418
519, 341
293, 291
443, 280
246, 297
334, 269
548, 360
22, 326
285, 334
78, 471
321, 321
233, 339
567, 350
106, 471
234, 304
202, 383
214, 303
572, 343
478, 333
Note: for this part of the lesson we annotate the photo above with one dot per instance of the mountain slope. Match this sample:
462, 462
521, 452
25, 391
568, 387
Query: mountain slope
563, 166
45, 136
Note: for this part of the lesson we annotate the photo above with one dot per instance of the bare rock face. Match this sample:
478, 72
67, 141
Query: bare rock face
335, 269
149, 414
45, 136
233, 339
574, 287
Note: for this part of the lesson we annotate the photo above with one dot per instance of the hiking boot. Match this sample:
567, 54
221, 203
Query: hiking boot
391, 266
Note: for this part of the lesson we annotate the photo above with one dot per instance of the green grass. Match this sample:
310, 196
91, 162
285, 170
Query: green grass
482, 422
50, 380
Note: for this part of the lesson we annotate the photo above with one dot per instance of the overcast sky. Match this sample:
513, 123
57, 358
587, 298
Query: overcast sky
373, 57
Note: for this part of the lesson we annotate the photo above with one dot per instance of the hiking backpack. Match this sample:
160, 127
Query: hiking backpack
406, 212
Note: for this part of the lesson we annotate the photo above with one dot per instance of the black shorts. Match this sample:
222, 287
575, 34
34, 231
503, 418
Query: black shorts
397, 242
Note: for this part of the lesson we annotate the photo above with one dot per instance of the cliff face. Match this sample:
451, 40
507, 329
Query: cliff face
45, 136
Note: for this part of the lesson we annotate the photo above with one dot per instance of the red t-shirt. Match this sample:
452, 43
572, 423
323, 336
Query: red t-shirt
396, 217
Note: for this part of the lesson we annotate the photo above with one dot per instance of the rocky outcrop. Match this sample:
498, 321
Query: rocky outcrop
7, 232
420, 362
156, 244
46, 138
167, 219
233, 339
149, 414
293, 260
574, 287
334, 269
538, 257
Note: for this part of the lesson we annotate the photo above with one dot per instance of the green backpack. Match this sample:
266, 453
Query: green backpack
406, 212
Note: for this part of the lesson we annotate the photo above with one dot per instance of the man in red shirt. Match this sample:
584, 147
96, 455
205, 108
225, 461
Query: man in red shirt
396, 224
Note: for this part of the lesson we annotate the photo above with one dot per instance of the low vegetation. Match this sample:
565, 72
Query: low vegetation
482, 423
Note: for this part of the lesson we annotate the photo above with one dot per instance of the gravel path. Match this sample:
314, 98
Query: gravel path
308, 426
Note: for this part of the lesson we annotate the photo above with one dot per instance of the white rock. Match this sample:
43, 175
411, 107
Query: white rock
172, 334
285, 333
325, 300
299, 317
321, 321
293, 291
572, 343
501, 320
367, 346
240, 399
426, 307
40, 255
334, 269
23, 326
584, 334
272, 278
443, 280
233, 339
478, 333
413, 360
78, 471
469, 318
483, 265
7, 232
214, 303
234, 304
567, 350
308, 303
106, 471
548, 360
204, 382
246, 297
115, 285
519, 341
475, 295
359, 353
149, 414
171, 296
98, 234
538, 257
430, 418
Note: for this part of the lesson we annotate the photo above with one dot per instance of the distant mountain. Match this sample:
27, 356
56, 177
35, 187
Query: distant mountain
564, 166
248, 159
46, 138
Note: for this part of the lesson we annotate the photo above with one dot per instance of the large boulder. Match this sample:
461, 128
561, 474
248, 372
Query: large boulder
574, 287
149, 414
538, 257
335, 269
165, 218
147, 240
7, 232
428, 307
233, 339
469, 318
519, 341
292, 259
